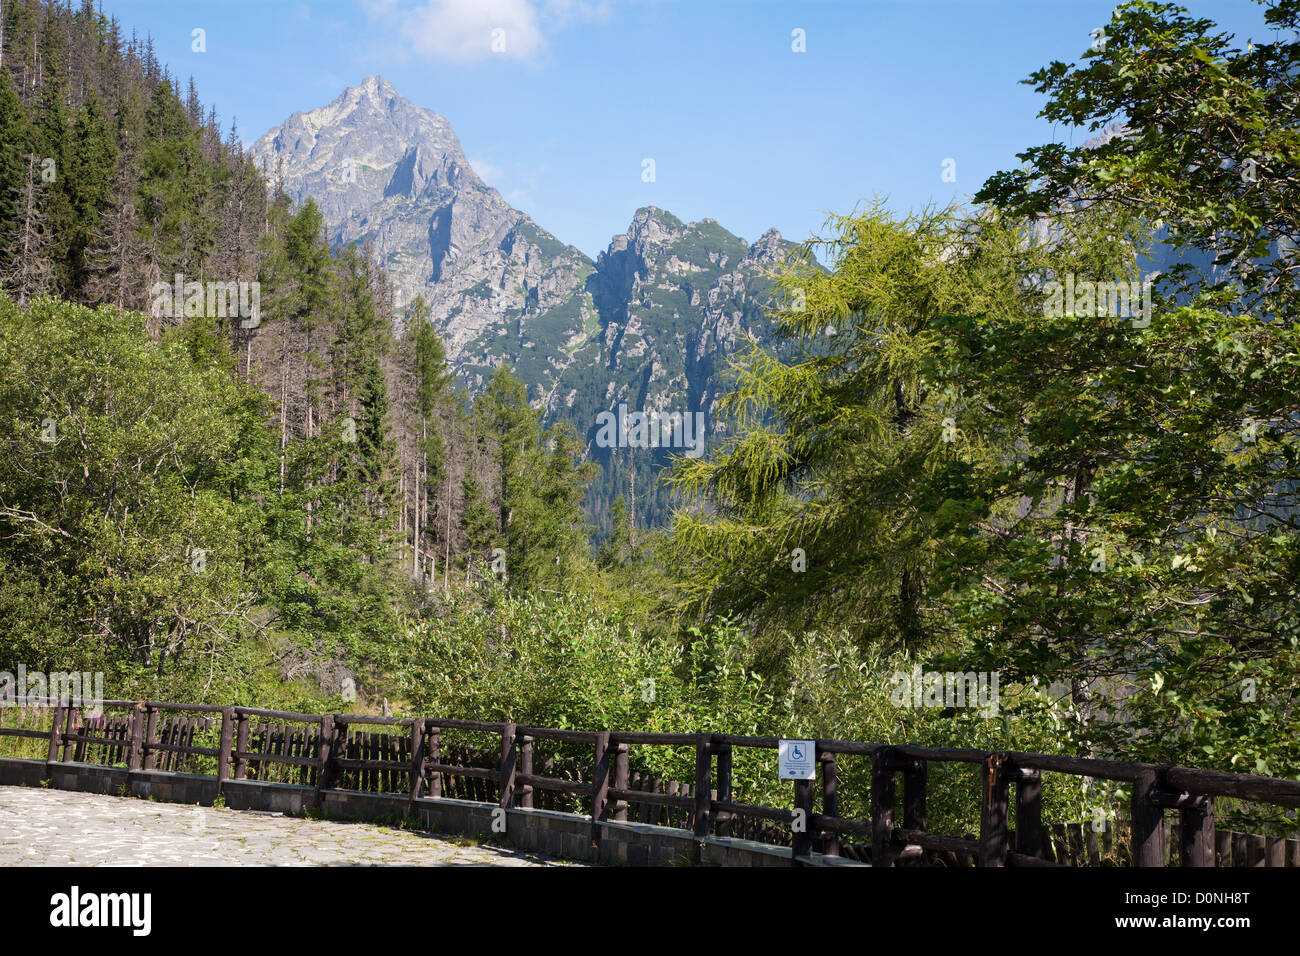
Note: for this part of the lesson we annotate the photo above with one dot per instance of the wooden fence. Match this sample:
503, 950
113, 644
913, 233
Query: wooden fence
411, 757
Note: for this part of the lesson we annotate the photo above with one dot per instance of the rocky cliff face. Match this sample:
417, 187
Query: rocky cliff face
651, 323
385, 170
675, 299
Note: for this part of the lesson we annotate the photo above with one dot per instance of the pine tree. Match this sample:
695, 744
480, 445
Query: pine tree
614, 549
541, 486
29, 246
88, 184
376, 452
432, 381
116, 267
50, 141
13, 176
476, 524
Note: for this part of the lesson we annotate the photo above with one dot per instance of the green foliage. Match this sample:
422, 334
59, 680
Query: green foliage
1210, 146
928, 469
1062, 498
822, 504
13, 135
476, 522
480, 660
1157, 545
614, 551
127, 487
542, 482
1165, 457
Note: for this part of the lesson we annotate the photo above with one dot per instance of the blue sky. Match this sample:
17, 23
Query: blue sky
741, 128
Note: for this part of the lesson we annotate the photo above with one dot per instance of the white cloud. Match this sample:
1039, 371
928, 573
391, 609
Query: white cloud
462, 31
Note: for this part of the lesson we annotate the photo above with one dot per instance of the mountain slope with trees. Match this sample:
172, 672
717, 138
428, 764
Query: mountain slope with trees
934, 468
347, 478
652, 323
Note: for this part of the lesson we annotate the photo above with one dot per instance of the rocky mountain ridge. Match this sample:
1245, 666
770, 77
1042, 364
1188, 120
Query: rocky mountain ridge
650, 323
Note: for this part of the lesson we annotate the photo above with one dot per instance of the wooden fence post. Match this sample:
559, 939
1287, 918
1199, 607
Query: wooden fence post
993, 812
508, 759
227, 739
434, 746
1222, 848
830, 839
72, 725
802, 836
1029, 813
78, 724
915, 773
1255, 850
135, 753
1196, 832
325, 758
56, 736
150, 730
703, 784
1147, 822
722, 818
524, 791
417, 764
241, 747
882, 807
600, 786
619, 810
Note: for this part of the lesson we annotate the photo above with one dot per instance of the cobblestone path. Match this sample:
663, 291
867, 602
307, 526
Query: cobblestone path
40, 827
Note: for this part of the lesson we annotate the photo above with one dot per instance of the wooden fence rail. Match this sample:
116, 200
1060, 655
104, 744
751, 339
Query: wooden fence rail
410, 756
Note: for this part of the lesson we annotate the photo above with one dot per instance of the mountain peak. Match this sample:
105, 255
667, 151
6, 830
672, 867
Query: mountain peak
649, 224
770, 247
372, 98
654, 214
386, 171
666, 295
370, 142
376, 90
375, 83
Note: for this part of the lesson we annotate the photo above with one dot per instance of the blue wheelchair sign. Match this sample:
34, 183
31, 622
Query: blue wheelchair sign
795, 760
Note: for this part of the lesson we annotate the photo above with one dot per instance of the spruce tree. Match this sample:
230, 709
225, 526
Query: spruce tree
92, 166
13, 175
432, 382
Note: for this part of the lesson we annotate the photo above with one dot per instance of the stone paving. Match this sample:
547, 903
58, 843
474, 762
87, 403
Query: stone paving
45, 827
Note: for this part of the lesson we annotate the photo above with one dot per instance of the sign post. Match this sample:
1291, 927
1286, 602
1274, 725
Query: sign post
796, 760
